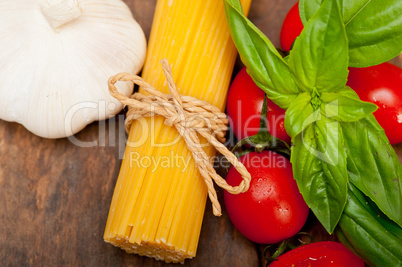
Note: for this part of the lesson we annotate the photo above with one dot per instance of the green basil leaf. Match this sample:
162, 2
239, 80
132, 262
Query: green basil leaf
342, 238
373, 166
319, 167
373, 27
300, 114
344, 106
264, 64
375, 238
319, 58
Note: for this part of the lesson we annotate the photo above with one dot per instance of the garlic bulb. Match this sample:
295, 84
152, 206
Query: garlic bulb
56, 57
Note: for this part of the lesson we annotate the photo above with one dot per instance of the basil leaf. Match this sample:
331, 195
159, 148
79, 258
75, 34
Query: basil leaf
319, 167
373, 166
375, 238
342, 238
373, 27
319, 58
264, 64
344, 106
300, 114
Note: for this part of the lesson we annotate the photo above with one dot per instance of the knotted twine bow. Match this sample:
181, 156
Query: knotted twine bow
190, 116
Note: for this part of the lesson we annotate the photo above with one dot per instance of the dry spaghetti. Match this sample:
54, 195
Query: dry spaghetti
190, 116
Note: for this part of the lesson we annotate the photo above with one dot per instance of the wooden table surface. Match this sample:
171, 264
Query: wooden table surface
55, 196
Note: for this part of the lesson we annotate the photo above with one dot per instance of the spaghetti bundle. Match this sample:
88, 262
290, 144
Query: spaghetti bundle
159, 199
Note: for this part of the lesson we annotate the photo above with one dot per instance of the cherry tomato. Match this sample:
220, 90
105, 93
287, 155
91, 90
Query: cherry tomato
381, 85
320, 254
291, 28
273, 208
244, 105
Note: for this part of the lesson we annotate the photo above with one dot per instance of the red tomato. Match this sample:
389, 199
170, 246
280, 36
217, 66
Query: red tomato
273, 208
381, 85
244, 105
320, 254
291, 28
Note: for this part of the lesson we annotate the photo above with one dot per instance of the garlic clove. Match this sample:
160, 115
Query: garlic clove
61, 12
54, 74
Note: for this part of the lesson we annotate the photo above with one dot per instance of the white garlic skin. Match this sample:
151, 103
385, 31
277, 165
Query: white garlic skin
53, 76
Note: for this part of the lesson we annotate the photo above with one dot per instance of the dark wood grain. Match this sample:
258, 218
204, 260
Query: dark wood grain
55, 195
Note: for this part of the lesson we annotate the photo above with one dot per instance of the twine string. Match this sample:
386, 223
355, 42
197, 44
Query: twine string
191, 117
